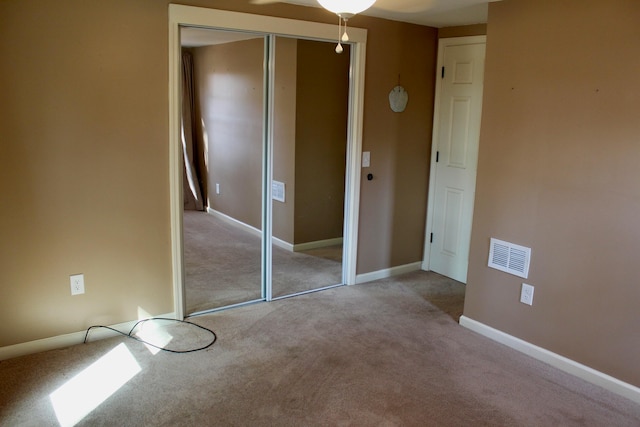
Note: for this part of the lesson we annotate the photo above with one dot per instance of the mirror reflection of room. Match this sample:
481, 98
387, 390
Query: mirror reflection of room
309, 160
223, 167
223, 143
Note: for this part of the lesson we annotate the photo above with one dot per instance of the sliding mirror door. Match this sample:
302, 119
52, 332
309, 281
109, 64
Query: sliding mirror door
310, 118
263, 175
223, 145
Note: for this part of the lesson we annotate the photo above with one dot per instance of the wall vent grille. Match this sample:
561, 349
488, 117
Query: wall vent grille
277, 191
509, 257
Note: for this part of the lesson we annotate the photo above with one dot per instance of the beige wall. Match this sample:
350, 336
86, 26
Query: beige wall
462, 31
84, 157
393, 204
558, 172
83, 165
321, 140
229, 82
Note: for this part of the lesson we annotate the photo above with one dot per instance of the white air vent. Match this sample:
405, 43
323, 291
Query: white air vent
509, 257
277, 191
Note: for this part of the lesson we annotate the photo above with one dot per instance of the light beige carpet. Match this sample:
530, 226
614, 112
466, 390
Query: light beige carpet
377, 354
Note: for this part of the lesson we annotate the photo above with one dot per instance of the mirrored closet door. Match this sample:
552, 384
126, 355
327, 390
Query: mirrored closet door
267, 167
224, 165
311, 96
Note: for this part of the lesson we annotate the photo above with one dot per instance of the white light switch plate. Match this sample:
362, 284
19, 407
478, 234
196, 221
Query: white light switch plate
366, 159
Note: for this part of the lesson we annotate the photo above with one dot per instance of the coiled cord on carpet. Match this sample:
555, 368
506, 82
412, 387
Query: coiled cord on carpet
130, 334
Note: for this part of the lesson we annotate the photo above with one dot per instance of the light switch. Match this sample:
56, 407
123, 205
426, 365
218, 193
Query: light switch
366, 159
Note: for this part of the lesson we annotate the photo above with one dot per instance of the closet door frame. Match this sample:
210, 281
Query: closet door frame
189, 16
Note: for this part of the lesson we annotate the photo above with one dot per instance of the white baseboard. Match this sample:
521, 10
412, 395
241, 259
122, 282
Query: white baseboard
388, 272
249, 228
306, 246
278, 242
317, 244
67, 340
282, 244
570, 366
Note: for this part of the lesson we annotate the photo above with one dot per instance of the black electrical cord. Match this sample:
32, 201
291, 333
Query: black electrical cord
153, 345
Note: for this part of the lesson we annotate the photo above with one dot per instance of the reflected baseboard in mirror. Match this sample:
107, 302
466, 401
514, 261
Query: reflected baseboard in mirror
222, 265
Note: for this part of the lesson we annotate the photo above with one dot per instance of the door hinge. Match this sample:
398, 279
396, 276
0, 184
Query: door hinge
442, 72
437, 156
431, 238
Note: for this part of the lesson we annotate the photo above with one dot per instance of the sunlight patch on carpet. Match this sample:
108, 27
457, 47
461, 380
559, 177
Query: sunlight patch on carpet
152, 332
87, 390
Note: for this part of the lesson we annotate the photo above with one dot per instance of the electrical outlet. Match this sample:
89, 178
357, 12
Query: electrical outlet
526, 294
77, 284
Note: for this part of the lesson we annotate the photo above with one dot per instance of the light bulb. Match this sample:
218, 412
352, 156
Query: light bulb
346, 8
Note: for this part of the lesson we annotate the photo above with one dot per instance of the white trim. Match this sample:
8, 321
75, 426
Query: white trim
282, 244
67, 340
570, 366
266, 259
317, 244
226, 218
221, 19
278, 242
249, 229
176, 197
442, 43
354, 159
388, 272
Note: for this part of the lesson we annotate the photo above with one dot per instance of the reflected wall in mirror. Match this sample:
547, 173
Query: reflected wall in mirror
223, 152
311, 99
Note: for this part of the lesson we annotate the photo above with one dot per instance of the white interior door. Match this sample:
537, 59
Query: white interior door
454, 156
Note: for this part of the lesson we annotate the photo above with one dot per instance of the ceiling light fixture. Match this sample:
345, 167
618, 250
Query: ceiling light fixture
345, 9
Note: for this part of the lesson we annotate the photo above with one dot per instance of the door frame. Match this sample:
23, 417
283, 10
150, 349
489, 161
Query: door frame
442, 44
180, 15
